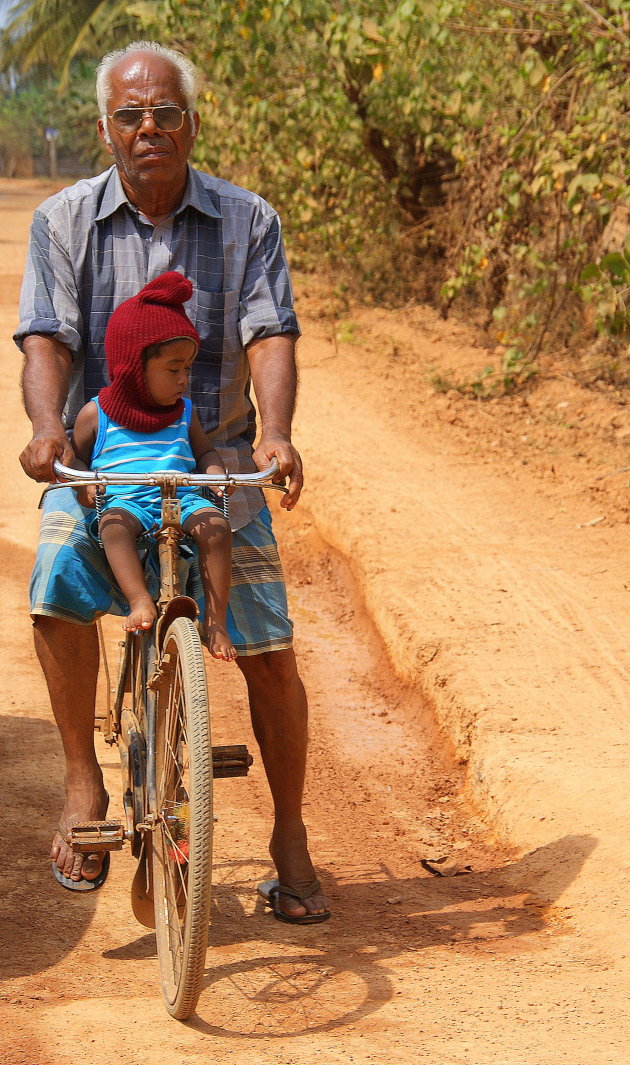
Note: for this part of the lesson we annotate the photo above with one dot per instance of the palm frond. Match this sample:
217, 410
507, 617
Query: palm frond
52, 33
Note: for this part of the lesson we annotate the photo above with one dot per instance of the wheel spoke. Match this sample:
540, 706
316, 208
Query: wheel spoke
175, 724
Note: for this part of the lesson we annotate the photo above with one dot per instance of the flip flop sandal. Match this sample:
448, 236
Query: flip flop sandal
83, 884
270, 891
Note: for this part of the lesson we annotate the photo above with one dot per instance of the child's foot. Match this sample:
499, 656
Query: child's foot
142, 614
219, 643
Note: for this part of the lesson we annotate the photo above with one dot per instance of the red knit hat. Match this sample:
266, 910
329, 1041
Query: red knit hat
153, 316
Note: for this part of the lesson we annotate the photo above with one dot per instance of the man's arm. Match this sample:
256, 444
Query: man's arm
274, 376
45, 382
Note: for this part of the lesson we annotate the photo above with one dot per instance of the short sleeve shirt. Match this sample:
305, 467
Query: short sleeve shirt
90, 249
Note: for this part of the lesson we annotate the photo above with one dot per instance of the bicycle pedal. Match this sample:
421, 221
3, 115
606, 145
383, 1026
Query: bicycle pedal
90, 836
231, 760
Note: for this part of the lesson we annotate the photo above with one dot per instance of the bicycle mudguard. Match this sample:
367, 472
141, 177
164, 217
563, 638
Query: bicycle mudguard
182, 606
142, 902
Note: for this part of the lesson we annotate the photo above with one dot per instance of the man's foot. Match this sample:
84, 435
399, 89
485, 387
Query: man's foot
218, 642
142, 614
82, 804
289, 853
272, 891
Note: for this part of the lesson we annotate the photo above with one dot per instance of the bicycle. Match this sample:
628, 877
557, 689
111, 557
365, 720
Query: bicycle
160, 721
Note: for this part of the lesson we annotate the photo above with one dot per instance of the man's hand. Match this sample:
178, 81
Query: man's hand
45, 380
274, 374
46, 446
275, 446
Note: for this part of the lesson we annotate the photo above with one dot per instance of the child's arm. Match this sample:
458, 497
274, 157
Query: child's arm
208, 460
82, 440
84, 436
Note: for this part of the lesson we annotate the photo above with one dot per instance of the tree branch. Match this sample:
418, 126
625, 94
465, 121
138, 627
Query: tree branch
619, 34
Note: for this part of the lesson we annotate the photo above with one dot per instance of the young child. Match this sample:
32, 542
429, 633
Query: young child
140, 423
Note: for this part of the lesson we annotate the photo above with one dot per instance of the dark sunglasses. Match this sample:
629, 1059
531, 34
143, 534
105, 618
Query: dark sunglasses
167, 117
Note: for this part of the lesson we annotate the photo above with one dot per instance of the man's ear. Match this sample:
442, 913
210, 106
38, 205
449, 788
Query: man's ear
103, 135
196, 123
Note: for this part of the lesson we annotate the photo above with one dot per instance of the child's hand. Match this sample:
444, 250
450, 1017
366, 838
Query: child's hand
218, 471
86, 496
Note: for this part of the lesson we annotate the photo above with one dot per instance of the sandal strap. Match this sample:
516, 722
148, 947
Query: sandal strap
300, 893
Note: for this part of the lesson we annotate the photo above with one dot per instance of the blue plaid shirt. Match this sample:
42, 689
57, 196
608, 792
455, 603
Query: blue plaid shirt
90, 249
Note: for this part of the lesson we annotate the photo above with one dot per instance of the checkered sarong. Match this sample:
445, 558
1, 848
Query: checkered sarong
72, 579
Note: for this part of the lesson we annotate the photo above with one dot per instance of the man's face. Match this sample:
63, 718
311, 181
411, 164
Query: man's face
149, 160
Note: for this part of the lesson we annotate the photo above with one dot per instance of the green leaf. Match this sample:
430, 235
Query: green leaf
590, 272
616, 264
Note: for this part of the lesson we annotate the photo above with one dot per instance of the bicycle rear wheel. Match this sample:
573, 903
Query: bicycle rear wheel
182, 841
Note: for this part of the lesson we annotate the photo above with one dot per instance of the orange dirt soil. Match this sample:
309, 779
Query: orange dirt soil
459, 580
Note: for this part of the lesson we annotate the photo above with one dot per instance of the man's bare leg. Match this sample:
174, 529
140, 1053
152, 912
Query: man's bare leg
65, 652
279, 717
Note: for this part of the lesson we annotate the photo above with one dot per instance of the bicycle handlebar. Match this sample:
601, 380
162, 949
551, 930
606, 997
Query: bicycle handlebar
78, 478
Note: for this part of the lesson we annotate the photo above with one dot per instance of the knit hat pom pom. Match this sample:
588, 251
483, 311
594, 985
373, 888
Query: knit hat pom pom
171, 289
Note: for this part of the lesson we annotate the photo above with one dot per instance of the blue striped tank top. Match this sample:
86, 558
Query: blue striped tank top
121, 450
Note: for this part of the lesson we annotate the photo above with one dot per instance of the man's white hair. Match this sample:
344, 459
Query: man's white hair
188, 76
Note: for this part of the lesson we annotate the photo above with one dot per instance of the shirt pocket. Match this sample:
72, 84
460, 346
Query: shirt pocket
215, 315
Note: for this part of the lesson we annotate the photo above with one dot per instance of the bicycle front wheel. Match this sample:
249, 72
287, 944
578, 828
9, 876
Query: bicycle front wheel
182, 840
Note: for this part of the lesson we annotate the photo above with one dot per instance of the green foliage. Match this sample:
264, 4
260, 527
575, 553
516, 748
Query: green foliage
471, 151
461, 150
605, 285
21, 132
48, 52
555, 180
25, 112
333, 111
51, 34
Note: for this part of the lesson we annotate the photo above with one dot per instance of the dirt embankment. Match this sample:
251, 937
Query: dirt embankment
489, 541
458, 578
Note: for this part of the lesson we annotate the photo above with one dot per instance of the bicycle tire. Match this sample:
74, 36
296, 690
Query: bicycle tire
182, 840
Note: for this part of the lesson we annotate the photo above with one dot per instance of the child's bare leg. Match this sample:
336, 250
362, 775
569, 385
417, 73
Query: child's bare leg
118, 531
211, 532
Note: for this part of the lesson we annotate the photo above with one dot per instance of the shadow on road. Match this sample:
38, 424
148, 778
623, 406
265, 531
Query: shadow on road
36, 931
266, 979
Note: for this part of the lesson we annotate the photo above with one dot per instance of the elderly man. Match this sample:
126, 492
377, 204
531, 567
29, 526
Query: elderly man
92, 246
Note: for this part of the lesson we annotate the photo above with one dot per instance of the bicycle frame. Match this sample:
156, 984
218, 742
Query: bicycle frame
228, 761
160, 722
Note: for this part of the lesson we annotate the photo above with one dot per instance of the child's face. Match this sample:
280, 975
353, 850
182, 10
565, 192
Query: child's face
166, 374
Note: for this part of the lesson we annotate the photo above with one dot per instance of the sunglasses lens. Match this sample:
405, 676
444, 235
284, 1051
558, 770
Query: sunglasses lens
167, 117
127, 119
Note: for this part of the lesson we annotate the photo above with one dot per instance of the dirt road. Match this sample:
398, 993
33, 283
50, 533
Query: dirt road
468, 680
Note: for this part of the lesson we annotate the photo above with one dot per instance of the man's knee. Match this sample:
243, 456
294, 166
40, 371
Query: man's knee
46, 623
66, 642
272, 668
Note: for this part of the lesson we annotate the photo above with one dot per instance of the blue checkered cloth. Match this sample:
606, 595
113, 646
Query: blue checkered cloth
72, 580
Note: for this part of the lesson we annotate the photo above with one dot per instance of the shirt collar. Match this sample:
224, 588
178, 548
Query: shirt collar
195, 195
